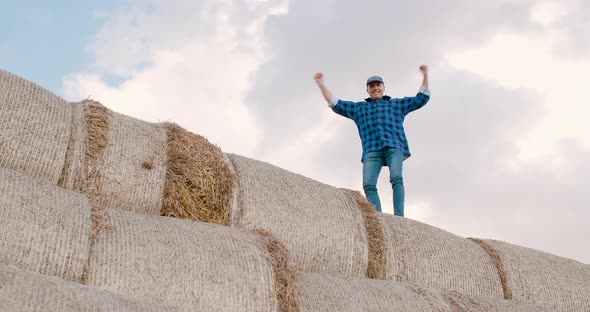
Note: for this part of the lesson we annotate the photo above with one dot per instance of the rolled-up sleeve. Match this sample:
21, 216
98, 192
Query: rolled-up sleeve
333, 101
424, 90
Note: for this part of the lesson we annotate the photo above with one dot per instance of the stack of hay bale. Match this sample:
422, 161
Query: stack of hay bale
99, 208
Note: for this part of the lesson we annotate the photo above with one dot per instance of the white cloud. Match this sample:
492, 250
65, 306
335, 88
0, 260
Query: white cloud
549, 12
187, 63
517, 61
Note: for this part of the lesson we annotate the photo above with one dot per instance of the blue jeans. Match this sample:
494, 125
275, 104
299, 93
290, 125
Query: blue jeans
372, 164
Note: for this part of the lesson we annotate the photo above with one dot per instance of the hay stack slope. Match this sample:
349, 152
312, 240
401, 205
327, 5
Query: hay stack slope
191, 265
543, 278
43, 228
323, 292
25, 291
424, 255
322, 228
34, 128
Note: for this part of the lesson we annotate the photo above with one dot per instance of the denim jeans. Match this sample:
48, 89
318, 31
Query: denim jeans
372, 164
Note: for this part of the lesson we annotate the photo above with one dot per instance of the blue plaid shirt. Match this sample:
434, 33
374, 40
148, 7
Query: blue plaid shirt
381, 122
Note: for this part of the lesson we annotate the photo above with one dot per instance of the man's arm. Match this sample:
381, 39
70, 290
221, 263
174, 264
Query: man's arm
410, 104
424, 88
343, 108
319, 79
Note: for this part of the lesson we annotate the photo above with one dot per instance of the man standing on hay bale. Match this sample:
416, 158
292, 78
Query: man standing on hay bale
379, 119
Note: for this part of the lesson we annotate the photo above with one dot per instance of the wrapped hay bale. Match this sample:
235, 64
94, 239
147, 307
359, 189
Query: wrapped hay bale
43, 228
34, 128
28, 291
191, 265
322, 228
155, 169
125, 161
542, 278
424, 255
324, 292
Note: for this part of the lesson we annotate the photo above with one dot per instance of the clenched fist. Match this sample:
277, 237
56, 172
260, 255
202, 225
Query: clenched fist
424, 69
319, 78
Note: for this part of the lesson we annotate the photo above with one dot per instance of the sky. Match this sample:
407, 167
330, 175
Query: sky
499, 152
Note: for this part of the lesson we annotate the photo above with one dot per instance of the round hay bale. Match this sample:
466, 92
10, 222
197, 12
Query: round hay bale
43, 228
34, 128
25, 291
198, 181
544, 279
424, 255
191, 265
322, 228
324, 292
125, 164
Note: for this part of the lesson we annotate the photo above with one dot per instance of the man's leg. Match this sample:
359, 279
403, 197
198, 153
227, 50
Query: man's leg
372, 164
395, 160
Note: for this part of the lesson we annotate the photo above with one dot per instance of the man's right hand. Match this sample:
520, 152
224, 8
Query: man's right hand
319, 78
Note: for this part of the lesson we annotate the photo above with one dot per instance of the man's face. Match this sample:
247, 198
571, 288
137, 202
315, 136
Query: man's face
375, 90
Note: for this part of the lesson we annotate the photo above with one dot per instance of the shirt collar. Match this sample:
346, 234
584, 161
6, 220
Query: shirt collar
385, 97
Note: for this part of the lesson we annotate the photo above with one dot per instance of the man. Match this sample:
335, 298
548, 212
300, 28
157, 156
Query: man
379, 120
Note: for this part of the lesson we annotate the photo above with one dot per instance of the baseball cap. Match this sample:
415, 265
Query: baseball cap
374, 79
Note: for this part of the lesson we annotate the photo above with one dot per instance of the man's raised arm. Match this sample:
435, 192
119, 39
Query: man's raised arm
319, 79
424, 88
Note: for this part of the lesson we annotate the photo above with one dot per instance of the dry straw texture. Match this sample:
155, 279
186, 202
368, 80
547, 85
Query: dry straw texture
34, 128
127, 182
94, 126
76, 148
323, 292
499, 265
425, 255
462, 303
198, 181
322, 228
191, 265
96, 121
544, 279
286, 277
377, 259
25, 291
43, 228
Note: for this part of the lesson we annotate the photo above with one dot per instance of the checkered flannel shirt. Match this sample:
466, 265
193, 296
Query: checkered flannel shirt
381, 122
